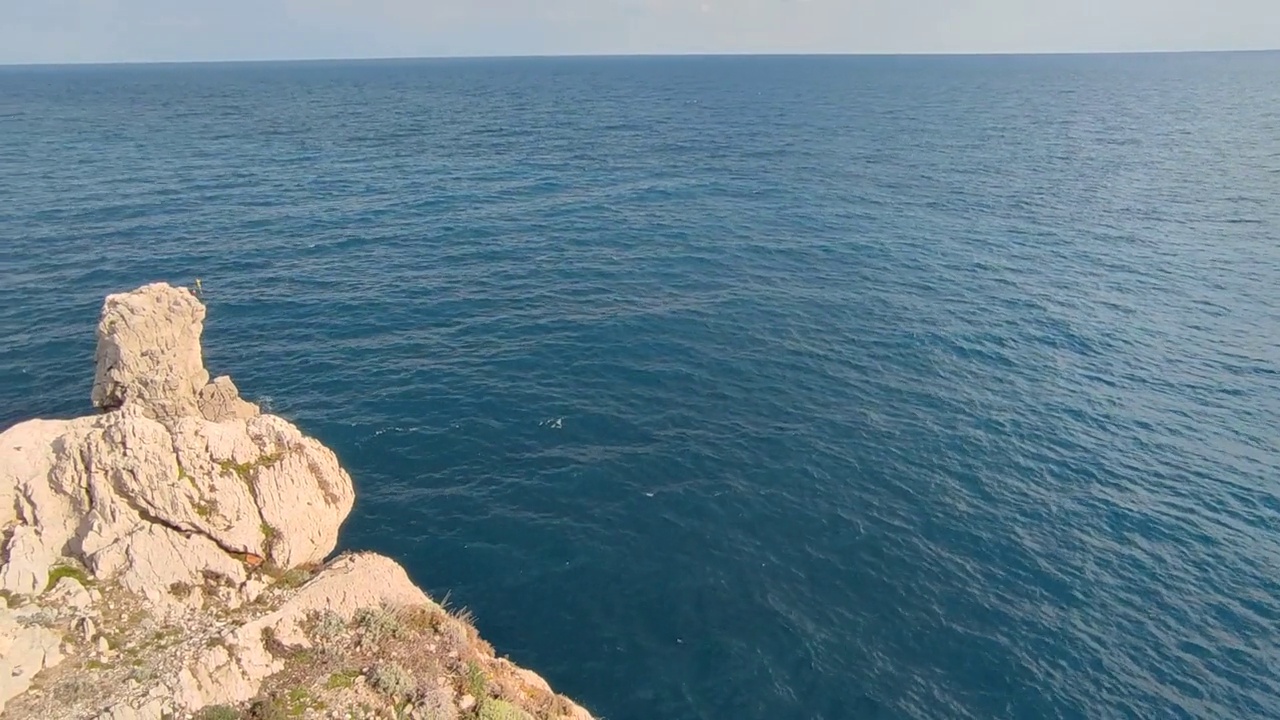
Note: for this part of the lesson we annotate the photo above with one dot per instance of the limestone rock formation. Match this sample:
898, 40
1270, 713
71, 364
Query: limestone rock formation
26, 648
150, 506
349, 584
220, 400
176, 481
149, 356
169, 555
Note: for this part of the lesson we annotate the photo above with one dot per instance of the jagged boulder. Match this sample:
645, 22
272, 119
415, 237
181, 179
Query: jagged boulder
42, 507
220, 400
178, 481
149, 352
149, 356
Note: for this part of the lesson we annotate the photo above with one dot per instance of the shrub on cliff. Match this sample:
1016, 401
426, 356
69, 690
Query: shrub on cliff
393, 680
436, 704
502, 710
378, 624
218, 712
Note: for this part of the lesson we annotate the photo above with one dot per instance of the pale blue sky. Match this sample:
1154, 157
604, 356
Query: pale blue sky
146, 30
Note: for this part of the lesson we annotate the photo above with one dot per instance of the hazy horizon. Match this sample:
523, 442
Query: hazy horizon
151, 31
636, 55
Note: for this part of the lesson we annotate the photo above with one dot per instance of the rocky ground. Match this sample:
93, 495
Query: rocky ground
168, 558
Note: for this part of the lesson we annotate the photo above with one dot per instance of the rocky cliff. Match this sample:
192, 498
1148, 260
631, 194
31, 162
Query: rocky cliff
170, 558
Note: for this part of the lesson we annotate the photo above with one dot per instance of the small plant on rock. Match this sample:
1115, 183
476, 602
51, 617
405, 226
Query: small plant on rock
377, 624
293, 578
65, 571
327, 625
276, 646
267, 709
205, 508
502, 710
454, 634
299, 700
435, 703
477, 681
75, 690
218, 712
392, 680
342, 680
421, 618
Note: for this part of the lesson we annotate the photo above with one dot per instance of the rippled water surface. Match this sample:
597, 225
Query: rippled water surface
731, 388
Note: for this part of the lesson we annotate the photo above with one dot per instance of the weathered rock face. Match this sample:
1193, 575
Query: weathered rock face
149, 356
25, 649
220, 400
149, 506
347, 585
149, 352
181, 479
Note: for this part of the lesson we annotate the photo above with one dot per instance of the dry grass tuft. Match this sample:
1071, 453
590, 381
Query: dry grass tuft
502, 710
392, 680
378, 624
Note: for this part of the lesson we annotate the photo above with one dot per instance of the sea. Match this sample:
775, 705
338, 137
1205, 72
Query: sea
772, 388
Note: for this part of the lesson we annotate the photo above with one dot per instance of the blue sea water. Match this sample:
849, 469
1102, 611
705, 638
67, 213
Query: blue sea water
775, 388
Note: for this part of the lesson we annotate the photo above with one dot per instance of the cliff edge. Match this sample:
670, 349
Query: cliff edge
169, 558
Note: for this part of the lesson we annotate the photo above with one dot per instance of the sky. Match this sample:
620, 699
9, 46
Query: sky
63, 31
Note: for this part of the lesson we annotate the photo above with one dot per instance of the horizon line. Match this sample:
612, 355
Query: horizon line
623, 55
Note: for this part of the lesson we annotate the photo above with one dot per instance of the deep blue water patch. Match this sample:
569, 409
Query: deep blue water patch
812, 388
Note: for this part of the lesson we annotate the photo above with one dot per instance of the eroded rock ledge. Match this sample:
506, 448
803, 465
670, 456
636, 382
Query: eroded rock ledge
168, 559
